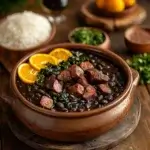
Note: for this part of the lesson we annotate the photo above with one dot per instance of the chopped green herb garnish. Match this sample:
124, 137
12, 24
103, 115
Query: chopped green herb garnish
88, 36
76, 58
141, 63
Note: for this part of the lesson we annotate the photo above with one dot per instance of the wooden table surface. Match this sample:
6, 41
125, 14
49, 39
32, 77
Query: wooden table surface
139, 140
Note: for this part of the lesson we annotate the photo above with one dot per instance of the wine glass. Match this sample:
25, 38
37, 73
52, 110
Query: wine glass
54, 8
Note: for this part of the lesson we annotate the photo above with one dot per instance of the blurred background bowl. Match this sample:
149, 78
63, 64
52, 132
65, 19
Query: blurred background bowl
105, 45
137, 39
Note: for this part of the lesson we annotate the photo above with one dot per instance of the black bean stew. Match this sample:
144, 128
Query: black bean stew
82, 83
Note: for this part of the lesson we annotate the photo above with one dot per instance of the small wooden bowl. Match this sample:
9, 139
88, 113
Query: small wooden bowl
137, 46
126, 12
105, 45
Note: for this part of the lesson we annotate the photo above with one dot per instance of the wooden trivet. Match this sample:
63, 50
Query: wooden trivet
91, 18
105, 141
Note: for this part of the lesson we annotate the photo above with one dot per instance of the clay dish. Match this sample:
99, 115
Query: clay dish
137, 39
75, 126
105, 45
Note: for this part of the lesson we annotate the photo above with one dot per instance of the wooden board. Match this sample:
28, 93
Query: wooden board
105, 141
111, 23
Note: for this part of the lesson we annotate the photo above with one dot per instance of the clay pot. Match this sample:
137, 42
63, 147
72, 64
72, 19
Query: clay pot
136, 46
76, 126
105, 45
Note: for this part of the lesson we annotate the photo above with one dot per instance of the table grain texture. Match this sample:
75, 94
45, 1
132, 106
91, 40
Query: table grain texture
140, 139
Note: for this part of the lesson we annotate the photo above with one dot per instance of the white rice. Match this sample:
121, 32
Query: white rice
24, 30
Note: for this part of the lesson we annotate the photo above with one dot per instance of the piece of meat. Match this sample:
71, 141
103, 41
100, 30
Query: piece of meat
76, 89
64, 76
46, 102
76, 71
105, 88
86, 65
53, 84
95, 76
90, 93
83, 81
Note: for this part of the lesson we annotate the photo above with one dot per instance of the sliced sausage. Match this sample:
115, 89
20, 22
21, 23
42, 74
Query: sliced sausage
90, 93
76, 89
76, 71
105, 88
83, 81
95, 76
46, 102
53, 84
64, 76
86, 65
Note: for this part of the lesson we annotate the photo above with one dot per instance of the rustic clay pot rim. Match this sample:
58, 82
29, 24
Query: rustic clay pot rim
107, 39
51, 36
131, 31
73, 114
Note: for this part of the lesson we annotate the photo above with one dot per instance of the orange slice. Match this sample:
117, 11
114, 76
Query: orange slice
61, 54
26, 73
39, 61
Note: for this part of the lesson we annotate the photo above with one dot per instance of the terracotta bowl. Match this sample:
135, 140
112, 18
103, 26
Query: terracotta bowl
105, 45
75, 126
137, 46
124, 13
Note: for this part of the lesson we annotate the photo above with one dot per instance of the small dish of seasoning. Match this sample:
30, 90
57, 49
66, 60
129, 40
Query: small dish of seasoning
90, 36
137, 39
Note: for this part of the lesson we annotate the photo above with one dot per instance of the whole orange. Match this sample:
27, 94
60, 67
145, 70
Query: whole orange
129, 3
115, 5
100, 3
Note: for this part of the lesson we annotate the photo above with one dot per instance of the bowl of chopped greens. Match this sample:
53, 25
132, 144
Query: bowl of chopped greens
90, 36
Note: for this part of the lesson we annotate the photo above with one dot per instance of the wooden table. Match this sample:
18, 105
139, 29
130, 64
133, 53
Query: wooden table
139, 140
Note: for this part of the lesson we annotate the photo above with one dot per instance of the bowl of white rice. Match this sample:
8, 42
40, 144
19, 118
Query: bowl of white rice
25, 31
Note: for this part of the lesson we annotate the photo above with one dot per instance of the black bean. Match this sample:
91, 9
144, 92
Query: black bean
93, 60
99, 67
112, 83
65, 109
100, 106
96, 103
88, 105
35, 87
100, 97
69, 105
91, 56
110, 97
38, 95
104, 102
60, 105
82, 101
43, 92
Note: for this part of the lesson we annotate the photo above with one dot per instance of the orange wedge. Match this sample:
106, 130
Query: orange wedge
26, 73
39, 61
61, 54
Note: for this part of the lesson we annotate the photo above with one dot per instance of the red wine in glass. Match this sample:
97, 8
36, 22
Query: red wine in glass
55, 8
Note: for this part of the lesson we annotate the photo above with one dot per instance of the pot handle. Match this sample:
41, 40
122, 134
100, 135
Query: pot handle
7, 99
135, 76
